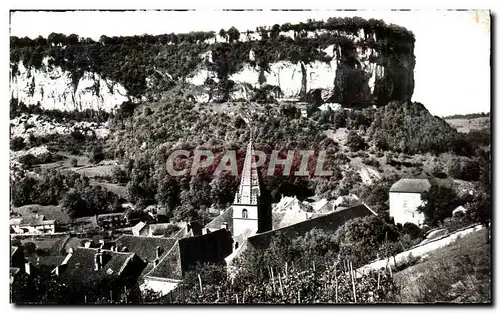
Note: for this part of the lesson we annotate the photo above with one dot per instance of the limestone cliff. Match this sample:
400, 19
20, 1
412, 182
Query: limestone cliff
350, 61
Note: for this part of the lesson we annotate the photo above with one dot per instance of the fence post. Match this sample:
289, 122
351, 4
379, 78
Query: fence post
281, 285
352, 280
201, 286
336, 285
378, 279
272, 279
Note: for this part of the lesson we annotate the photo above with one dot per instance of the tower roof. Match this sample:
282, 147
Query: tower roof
249, 190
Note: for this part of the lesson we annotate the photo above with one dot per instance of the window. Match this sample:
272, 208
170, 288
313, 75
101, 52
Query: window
244, 213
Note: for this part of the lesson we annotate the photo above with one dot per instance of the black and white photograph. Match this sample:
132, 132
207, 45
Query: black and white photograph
246, 157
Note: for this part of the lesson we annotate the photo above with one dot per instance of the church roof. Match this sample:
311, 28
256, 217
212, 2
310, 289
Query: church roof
328, 222
411, 185
249, 190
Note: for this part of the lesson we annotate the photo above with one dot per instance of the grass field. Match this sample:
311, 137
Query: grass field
466, 125
458, 273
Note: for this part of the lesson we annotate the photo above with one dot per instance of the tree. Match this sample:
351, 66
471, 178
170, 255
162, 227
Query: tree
97, 155
233, 34
74, 205
119, 176
40, 288
28, 160
73, 162
17, 143
361, 239
314, 243
355, 141
440, 201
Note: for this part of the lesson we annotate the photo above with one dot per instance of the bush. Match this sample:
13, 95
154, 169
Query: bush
28, 160
97, 155
73, 162
440, 201
372, 162
17, 143
355, 141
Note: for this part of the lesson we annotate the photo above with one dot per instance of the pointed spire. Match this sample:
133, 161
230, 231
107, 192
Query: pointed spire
249, 190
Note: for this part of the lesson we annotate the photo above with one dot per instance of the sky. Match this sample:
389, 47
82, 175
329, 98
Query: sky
452, 48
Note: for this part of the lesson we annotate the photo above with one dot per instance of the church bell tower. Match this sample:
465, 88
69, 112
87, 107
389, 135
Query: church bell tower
246, 201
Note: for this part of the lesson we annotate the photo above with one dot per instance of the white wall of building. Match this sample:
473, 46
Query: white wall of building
403, 208
240, 223
158, 285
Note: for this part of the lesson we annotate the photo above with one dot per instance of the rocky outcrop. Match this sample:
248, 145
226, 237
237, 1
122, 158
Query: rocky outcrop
351, 61
54, 88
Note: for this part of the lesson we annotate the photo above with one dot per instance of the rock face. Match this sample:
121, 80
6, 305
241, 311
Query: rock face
353, 62
351, 73
54, 88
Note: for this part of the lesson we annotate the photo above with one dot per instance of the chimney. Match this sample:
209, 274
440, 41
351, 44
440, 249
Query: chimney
27, 268
158, 251
224, 226
97, 261
101, 260
86, 244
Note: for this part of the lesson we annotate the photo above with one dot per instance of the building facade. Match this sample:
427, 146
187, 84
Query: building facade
405, 198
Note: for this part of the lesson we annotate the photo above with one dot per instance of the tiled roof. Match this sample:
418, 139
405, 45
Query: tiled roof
139, 226
411, 185
328, 222
53, 245
80, 268
292, 217
49, 261
145, 247
225, 217
212, 247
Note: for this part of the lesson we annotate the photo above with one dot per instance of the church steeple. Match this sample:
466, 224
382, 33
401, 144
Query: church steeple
249, 191
246, 200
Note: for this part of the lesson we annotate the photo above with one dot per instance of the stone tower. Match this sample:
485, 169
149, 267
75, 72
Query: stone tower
246, 201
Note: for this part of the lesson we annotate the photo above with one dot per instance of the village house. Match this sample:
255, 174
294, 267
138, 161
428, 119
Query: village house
184, 255
405, 197
112, 220
87, 269
32, 224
